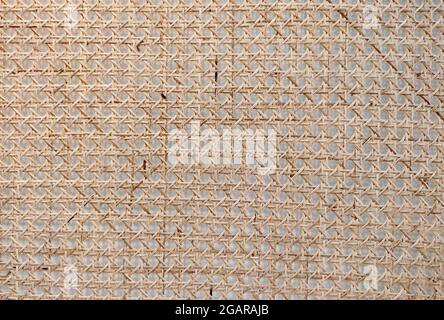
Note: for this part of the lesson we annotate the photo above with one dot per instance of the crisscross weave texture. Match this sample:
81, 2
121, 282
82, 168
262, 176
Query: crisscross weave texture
90, 207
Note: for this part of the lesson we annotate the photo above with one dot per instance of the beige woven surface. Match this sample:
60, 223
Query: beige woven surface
91, 208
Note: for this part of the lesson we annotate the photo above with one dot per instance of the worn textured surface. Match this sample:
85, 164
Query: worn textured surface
90, 207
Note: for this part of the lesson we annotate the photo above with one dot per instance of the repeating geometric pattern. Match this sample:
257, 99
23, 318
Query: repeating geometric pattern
90, 207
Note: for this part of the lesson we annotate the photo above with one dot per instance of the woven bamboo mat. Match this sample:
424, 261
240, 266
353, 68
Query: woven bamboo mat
92, 207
